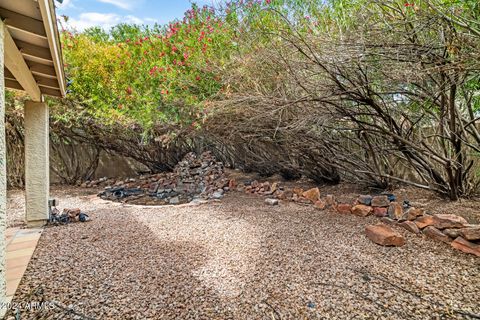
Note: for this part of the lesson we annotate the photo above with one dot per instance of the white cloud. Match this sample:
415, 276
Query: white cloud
122, 4
65, 4
103, 20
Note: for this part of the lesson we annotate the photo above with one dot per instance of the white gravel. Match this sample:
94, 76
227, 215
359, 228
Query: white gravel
240, 258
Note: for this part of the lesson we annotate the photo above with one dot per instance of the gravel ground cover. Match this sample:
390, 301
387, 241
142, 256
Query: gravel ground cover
239, 259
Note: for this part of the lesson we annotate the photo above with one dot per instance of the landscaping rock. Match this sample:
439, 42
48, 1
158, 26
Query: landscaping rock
361, 210
380, 201
217, 194
384, 235
424, 221
380, 211
471, 233
313, 194
271, 202
452, 233
388, 221
466, 246
395, 211
410, 226
412, 213
344, 208
320, 205
365, 200
436, 234
174, 200
195, 175
443, 221
298, 191
330, 200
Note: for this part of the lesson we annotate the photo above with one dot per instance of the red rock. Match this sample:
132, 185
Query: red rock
320, 205
412, 213
380, 211
410, 226
442, 221
364, 199
466, 246
471, 233
380, 201
384, 235
436, 234
344, 208
395, 211
313, 194
361, 210
424, 221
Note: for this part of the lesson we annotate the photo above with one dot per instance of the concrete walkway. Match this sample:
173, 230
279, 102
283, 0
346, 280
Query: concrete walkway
21, 244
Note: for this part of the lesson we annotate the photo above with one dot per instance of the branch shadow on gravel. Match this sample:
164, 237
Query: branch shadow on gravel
115, 268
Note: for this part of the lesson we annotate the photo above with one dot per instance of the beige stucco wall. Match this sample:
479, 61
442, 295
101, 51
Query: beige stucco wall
36, 163
3, 178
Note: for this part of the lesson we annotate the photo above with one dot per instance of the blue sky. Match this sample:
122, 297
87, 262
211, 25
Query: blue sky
106, 13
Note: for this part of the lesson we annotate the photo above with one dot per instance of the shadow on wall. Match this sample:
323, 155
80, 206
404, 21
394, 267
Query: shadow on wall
110, 166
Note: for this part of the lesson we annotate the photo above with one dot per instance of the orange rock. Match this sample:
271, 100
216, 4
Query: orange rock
412, 213
395, 211
312, 194
380, 211
344, 208
330, 200
410, 226
384, 235
361, 210
320, 205
442, 221
436, 234
424, 221
466, 246
298, 191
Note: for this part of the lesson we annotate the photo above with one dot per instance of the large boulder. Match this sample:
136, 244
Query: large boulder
312, 194
443, 221
380, 201
384, 235
361, 210
466, 246
436, 234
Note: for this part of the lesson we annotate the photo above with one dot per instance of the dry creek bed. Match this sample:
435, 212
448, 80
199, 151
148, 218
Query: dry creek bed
238, 259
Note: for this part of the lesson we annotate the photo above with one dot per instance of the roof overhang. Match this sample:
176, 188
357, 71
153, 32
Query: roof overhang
33, 54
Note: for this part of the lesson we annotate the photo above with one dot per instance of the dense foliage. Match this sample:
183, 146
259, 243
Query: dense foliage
377, 92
